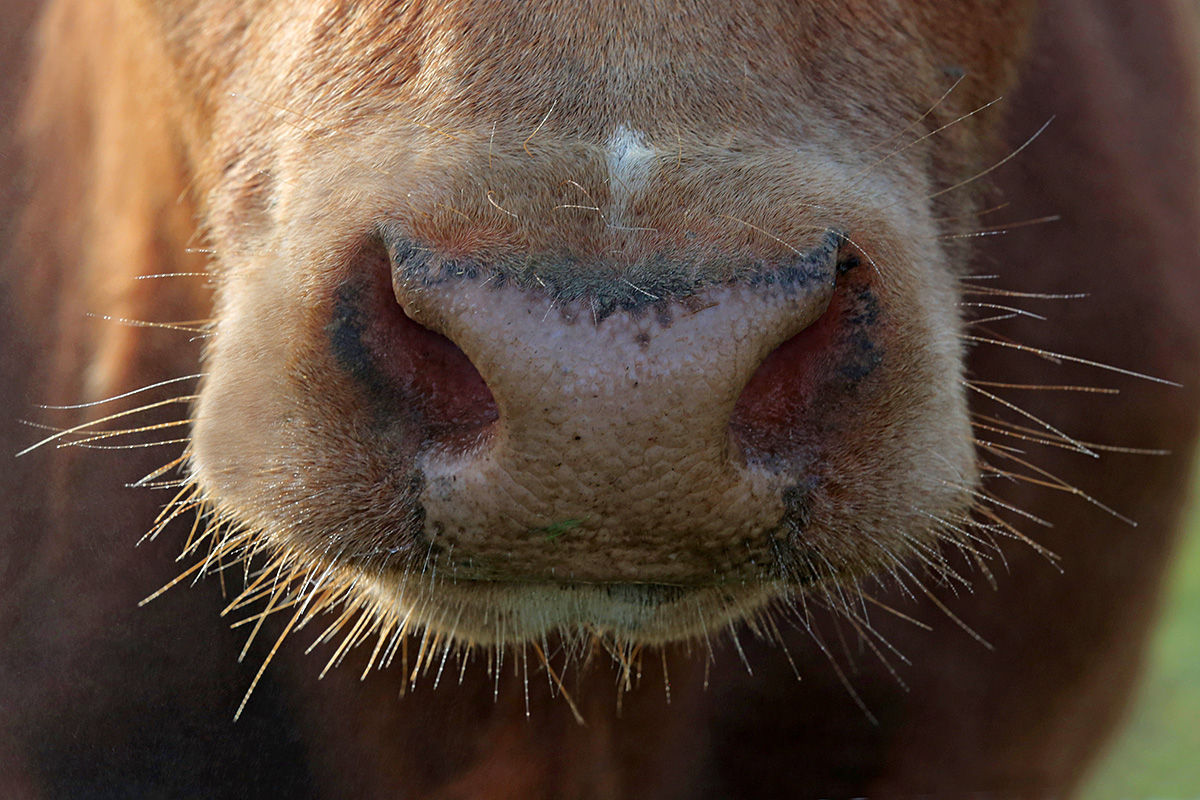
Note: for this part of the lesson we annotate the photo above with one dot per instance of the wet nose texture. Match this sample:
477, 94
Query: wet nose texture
588, 439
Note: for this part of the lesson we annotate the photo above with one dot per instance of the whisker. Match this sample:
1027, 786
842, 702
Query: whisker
120, 414
186, 327
177, 274
974, 215
1004, 528
137, 446
258, 676
525, 144
954, 618
146, 480
125, 394
999, 230
927, 136
989, 320
94, 437
920, 119
1046, 387
897, 613
1023, 433
992, 291
1073, 359
1027, 415
498, 207
1012, 311
995, 166
838, 671
988, 498
1053, 482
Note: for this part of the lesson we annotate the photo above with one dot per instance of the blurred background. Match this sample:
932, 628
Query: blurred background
1157, 756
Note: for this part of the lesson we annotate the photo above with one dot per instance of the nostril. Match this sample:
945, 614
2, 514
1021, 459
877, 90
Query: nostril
413, 371
772, 416
438, 376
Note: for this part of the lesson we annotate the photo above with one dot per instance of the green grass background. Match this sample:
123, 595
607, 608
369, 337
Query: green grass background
1157, 756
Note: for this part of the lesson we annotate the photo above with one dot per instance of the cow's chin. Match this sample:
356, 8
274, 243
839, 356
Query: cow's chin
499, 613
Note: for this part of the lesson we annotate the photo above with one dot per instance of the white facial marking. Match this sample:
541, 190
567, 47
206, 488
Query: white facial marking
631, 165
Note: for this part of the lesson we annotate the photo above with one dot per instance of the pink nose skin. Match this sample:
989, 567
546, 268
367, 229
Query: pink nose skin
601, 448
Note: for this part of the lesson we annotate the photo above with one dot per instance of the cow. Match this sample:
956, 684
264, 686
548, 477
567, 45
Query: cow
594, 399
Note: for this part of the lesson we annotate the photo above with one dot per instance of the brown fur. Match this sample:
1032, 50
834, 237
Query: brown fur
152, 130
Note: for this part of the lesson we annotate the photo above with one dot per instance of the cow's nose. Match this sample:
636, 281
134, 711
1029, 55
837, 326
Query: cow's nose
603, 420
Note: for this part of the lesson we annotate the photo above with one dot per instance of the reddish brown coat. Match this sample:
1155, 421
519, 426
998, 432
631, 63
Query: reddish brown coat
98, 695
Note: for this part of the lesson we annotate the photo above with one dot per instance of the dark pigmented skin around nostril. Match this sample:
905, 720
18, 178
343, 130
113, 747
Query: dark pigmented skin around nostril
656, 281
